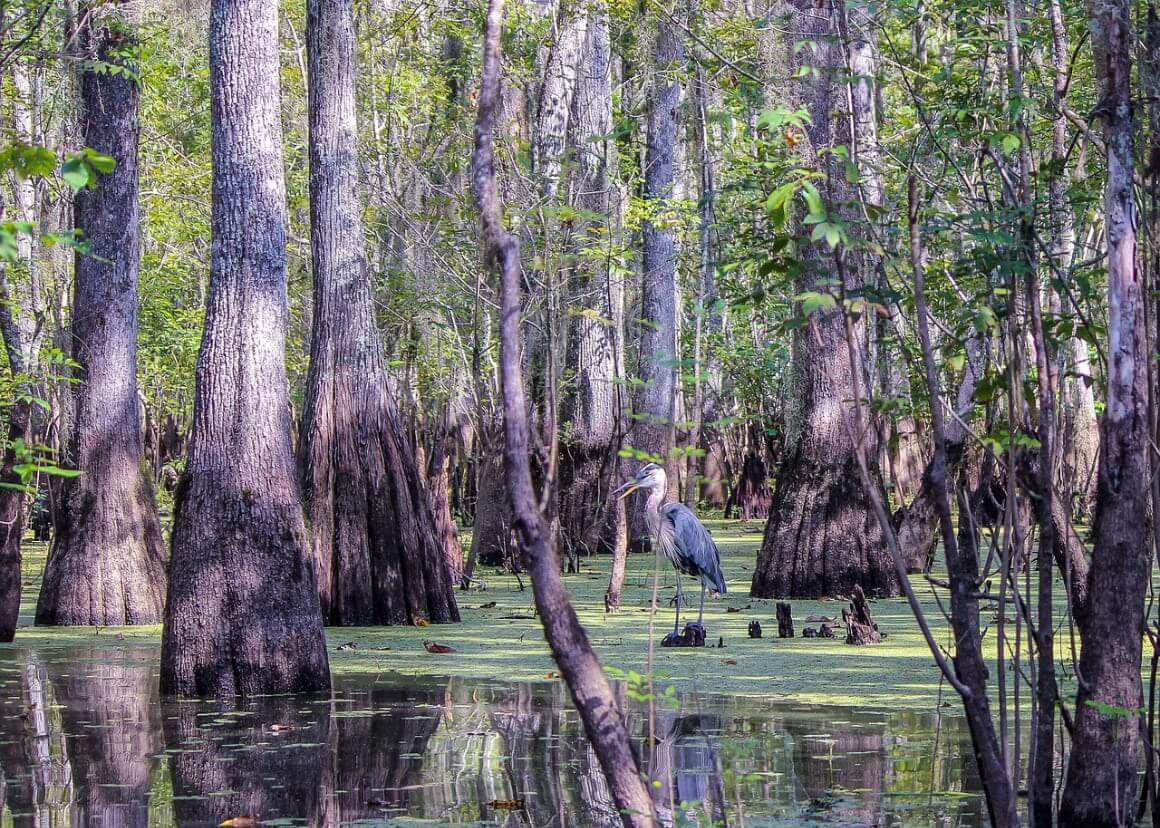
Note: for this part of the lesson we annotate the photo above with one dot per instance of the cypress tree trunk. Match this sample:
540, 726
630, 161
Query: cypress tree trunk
655, 415
591, 408
374, 543
917, 523
822, 538
107, 565
1105, 757
243, 614
439, 494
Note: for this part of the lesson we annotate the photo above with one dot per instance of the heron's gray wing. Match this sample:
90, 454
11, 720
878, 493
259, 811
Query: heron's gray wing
695, 545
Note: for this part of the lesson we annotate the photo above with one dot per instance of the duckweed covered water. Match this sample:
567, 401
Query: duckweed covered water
764, 732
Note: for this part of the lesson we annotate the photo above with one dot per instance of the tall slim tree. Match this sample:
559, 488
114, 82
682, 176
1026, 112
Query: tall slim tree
243, 614
822, 538
1105, 757
376, 550
655, 408
107, 563
22, 307
591, 693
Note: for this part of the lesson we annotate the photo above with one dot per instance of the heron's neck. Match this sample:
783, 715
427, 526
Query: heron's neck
655, 498
652, 511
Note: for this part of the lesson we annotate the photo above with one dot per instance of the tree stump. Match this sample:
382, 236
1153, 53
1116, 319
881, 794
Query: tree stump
784, 620
860, 626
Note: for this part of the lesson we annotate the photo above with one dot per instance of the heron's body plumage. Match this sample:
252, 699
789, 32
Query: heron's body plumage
685, 541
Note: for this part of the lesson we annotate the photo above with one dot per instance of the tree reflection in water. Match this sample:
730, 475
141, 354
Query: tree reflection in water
84, 740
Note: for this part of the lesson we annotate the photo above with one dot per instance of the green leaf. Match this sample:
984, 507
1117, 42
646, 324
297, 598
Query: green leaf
1010, 143
75, 173
779, 197
813, 301
100, 162
813, 198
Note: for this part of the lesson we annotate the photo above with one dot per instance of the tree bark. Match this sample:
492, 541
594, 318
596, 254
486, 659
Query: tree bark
822, 538
653, 432
704, 480
1105, 758
603, 720
562, 76
1079, 429
12, 519
591, 407
107, 565
243, 614
22, 307
917, 523
439, 495
491, 534
376, 550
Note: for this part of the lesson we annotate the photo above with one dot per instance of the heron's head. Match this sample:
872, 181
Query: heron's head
650, 477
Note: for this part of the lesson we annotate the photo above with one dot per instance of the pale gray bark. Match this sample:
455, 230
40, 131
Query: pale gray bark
1079, 429
562, 74
591, 401
655, 408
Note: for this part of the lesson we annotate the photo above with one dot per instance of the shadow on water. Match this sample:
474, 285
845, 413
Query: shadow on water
85, 740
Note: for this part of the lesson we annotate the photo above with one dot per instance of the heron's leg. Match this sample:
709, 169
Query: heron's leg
680, 600
701, 614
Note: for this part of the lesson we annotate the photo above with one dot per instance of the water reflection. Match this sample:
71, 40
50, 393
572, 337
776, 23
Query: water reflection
84, 740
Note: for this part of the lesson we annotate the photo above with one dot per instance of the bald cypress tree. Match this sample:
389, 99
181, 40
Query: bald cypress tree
107, 564
376, 550
821, 537
243, 614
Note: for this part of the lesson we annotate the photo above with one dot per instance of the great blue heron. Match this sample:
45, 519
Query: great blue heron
677, 532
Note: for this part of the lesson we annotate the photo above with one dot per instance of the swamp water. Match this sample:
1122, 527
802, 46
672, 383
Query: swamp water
85, 740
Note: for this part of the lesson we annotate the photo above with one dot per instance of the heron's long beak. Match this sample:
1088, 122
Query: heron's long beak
627, 489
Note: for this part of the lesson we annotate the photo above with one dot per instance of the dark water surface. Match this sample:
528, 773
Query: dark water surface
85, 740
